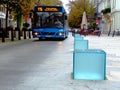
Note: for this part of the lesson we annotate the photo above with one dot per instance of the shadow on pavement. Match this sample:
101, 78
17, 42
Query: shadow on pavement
48, 39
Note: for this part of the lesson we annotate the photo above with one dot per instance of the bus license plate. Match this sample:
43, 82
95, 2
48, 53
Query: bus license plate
48, 36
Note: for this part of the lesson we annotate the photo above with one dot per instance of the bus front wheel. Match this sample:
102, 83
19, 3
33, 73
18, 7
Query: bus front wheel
40, 39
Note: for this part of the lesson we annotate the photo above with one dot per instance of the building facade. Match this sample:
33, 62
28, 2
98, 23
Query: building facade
101, 8
109, 10
115, 14
106, 14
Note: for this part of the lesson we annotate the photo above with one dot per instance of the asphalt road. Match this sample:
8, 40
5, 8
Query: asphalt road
25, 65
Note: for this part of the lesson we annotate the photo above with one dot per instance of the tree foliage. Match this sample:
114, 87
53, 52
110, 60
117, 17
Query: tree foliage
26, 6
48, 2
22, 8
77, 8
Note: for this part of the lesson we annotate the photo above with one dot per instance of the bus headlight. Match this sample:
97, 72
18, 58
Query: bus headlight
60, 34
36, 33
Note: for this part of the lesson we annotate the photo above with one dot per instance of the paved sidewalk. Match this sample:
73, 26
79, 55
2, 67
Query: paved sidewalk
57, 74
62, 79
8, 40
111, 45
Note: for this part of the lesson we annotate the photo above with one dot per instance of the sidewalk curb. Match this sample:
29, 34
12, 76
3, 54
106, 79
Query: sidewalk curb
8, 40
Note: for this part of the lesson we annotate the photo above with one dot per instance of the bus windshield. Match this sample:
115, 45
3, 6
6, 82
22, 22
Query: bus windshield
48, 20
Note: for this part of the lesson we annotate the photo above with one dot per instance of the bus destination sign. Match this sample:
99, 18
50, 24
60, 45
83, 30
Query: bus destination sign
48, 9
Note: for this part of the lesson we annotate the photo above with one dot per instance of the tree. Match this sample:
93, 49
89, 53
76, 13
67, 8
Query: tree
22, 8
26, 6
77, 8
48, 2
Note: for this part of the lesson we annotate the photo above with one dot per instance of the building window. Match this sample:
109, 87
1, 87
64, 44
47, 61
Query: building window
114, 3
108, 3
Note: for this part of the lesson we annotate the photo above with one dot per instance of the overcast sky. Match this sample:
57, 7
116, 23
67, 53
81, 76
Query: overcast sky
64, 3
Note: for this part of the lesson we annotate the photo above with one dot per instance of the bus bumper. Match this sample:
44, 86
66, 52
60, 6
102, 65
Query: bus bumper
48, 36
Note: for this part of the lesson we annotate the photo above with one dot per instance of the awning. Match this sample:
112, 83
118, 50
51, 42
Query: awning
2, 15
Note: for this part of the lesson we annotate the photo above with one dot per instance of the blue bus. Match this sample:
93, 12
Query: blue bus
50, 22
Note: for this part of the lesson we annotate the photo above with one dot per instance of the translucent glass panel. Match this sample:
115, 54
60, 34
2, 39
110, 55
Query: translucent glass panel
89, 64
80, 44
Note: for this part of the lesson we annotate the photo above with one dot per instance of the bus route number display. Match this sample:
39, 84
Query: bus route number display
48, 9
51, 9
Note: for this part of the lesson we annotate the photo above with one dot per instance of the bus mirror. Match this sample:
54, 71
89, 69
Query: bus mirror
65, 17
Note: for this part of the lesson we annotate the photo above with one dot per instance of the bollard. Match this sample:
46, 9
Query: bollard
78, 38
24, 30
17, 31
89, 64
9, 34
77, 35
29, 33
80, 44
12, 35
3, 35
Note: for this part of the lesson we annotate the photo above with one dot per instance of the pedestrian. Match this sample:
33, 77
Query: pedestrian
88, 30
85, 29
97, 31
